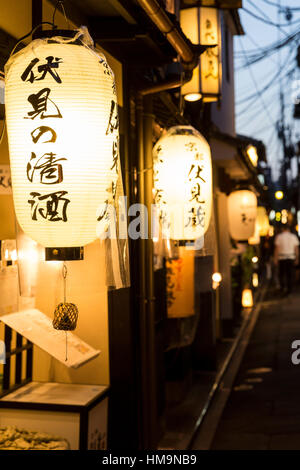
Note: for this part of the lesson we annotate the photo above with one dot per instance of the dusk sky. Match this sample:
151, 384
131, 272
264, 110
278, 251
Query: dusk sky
257, 116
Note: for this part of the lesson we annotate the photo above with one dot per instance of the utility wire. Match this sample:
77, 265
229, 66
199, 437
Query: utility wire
269, 22
284, 7
265, 108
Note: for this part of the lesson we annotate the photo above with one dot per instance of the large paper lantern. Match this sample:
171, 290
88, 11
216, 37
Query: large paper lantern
242, 210
62, 122
263, 221
183, 182
202, 26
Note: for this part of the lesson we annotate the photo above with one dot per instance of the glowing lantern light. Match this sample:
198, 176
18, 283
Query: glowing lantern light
255, 239
255, 259
202, 26
62, 123
183, 183
247, 298
242, 209
216, 278
255, 280
252, 154
263, 221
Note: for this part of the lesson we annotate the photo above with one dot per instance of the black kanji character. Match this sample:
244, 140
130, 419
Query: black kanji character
39, 102
49, 170
52, 207
42, 70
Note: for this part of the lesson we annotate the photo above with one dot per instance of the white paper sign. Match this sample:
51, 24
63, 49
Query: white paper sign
37, 328
5, 180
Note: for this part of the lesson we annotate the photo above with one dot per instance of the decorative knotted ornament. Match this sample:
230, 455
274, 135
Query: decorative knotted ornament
65, 317
65, 314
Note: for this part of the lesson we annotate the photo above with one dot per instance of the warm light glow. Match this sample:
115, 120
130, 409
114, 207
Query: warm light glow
254, 259
14, 255
271, 231
255, 239
217, 277
279, 195
242, 211
247, 298
255, 280
183, 183
263, 221
202, 26
252, 154
192, 96
284, 216
64, 167
278, 216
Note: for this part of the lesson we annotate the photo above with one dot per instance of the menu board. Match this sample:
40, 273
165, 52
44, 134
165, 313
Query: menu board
37, 328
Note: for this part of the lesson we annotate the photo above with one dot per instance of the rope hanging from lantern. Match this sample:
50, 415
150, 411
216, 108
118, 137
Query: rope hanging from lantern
65, 314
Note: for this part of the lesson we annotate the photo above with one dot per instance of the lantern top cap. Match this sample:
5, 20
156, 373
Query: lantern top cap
183, 130
78, 36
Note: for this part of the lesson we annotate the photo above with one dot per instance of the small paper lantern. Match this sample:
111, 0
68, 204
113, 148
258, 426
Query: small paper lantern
247, 298
263, 221
242, 210
62, 122
255, 280
202, 27
183, 183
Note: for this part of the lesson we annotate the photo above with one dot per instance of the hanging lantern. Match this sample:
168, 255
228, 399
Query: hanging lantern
242, 209
183, 183
263, 221
62, 122
202, 26
247, 298
255, 280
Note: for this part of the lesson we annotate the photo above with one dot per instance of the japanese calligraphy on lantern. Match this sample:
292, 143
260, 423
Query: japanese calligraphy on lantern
180, 285
63, 132
210, 59
183, 183
201, 26
242, 212
5, 180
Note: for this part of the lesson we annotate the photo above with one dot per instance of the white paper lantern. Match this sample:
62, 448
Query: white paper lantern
183, 182
242, 210
62, 122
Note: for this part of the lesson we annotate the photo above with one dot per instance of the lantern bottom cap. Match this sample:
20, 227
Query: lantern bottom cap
73, 253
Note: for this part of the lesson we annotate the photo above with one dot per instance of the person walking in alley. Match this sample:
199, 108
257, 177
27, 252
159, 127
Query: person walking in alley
286, 256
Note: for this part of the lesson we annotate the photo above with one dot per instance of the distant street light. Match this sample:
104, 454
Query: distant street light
279, 195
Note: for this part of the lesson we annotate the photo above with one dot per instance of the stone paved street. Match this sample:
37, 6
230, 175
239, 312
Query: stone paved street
263, 410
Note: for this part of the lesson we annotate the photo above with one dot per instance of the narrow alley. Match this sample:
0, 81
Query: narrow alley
263, 409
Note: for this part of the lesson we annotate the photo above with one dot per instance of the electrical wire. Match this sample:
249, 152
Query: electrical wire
269, 22
265, 108
268, 2
271, 83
